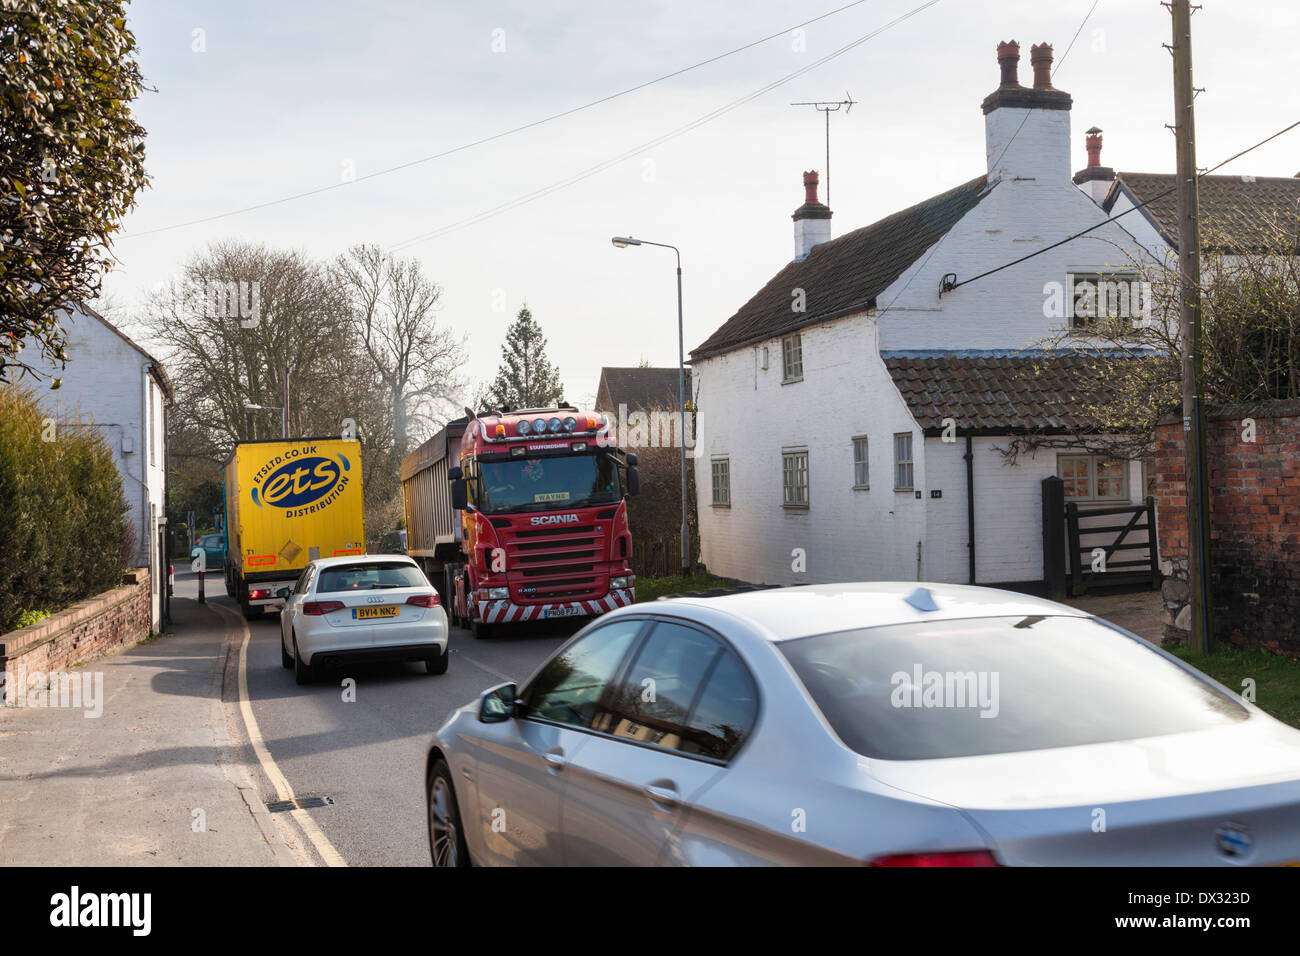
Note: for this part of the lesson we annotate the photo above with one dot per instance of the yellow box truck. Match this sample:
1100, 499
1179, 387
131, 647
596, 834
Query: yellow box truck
289, 501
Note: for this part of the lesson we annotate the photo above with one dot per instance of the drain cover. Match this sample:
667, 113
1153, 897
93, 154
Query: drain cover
302, 803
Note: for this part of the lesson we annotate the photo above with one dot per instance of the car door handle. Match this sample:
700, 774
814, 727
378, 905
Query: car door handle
663, 794
554, 760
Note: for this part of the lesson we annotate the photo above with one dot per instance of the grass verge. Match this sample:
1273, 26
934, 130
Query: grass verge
1276, 678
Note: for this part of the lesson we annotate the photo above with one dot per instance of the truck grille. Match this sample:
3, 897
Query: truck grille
555, 564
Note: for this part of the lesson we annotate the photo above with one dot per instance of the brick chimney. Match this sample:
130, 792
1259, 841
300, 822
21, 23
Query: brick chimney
1027, 129
1095, 179
812, 220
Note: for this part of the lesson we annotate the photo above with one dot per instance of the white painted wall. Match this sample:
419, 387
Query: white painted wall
107, 384
747, 414
1006, 309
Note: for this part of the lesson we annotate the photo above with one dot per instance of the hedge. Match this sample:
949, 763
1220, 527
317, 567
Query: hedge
64, 533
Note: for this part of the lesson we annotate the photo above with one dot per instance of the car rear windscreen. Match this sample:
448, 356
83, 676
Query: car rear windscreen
998, 685
370, 575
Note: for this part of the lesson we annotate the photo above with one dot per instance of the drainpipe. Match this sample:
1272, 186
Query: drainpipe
970, 507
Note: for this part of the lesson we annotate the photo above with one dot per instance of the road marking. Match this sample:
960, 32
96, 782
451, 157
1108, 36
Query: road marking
319, 840
485, 668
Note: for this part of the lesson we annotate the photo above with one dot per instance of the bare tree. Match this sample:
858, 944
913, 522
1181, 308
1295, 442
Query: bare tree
391, 305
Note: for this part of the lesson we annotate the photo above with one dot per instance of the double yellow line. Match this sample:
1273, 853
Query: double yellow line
283, 791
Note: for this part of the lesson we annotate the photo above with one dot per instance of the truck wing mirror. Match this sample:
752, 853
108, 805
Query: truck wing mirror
633, 481
458, 493
631, 460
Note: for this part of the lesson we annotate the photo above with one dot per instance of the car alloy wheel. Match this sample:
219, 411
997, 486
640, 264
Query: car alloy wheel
446, 843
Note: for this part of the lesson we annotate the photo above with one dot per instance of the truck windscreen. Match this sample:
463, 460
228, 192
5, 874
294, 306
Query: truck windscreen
542, 484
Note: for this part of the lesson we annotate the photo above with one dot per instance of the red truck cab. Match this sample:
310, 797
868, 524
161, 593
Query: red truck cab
541, 495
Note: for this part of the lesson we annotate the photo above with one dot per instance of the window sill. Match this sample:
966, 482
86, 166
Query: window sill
904, 491
717, 504
795, 507
791, 381
861, 487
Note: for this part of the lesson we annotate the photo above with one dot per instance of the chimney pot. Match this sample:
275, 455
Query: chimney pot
1009, 59
810, 182
1040, 55
1094, 146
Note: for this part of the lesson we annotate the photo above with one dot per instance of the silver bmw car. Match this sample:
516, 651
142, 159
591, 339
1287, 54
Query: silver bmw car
883, 724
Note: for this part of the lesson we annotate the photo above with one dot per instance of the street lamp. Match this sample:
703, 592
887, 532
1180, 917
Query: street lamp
622, 242
284, 419
283, 410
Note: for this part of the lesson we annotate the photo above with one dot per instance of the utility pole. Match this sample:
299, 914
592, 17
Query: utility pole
1189, 329
828, 107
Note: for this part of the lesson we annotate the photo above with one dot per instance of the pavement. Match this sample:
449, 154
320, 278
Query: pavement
201, 729
1140, 611
155, 779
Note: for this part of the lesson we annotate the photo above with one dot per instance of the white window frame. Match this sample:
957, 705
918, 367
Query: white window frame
1125, 495
790, 458
792, 356
861, 466
725, 463
909, 462
1076, 281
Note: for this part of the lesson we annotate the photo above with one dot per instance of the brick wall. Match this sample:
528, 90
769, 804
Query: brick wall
1254, 523
98, 625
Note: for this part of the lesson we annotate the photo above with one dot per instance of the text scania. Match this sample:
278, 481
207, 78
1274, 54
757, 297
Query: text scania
75, 909
555, 519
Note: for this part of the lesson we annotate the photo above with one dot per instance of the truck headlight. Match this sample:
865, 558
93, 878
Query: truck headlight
621, 583
498, 594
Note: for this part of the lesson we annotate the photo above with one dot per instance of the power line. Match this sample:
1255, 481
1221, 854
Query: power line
1120, 215
495, 136
657, 141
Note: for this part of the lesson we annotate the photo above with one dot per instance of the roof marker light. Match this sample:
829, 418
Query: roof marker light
922, 600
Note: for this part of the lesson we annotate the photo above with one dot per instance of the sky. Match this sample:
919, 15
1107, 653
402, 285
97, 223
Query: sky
253, 102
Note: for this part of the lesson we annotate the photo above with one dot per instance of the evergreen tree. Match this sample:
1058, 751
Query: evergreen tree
526, 378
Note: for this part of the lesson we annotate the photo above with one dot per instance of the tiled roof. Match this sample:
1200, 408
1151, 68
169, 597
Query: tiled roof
1237, 212
998, 392
642, 388
846, 274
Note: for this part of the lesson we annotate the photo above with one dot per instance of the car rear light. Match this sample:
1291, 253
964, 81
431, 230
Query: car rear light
960, 858
423, 600
321, 607
256, 594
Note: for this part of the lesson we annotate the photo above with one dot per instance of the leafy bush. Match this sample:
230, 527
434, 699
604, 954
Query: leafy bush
28, 618
63, 529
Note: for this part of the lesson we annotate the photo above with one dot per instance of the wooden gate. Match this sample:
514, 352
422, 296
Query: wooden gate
1097, 551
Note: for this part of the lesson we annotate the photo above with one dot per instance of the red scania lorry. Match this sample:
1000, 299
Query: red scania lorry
521, 515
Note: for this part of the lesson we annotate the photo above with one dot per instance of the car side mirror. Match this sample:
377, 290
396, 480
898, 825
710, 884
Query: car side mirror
283, 592
633, 481
454, 473
632, 459
497, 704
459, 498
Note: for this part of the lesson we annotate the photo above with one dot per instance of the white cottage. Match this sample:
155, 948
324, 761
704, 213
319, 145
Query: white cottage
849, 413
113, 385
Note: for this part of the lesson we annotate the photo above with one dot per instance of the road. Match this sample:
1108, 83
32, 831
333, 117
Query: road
359, 736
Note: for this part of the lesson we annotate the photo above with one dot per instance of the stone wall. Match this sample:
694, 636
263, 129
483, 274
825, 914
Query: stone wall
99, 625
1254, 464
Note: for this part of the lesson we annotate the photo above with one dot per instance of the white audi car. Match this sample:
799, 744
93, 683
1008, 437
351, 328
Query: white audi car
373, 608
